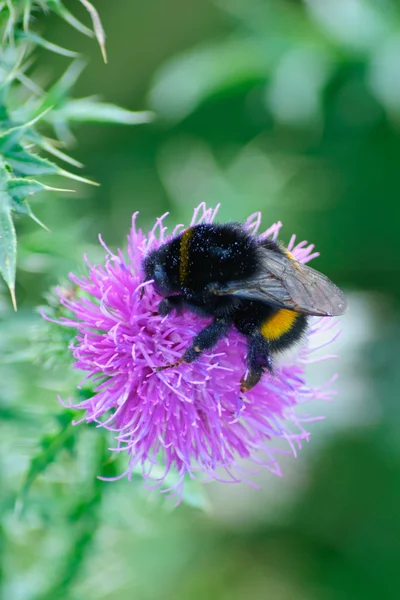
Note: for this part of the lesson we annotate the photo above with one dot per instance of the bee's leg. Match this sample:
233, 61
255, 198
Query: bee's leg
258, 359
205, 340
169, 304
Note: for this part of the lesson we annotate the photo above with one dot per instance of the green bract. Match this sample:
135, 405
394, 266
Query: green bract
25, 106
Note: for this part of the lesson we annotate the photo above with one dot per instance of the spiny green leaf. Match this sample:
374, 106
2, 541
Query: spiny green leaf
20, 189
13, 135
68, 79
11, 63
9, 31
8, 246
39, 41
32, 215
14, 197
69, 18
18, 197
89, 109
27, 14
84, 520
51, 446
58, 93
29, 84
97, 26
64, 133
22, 127
8, 140
4, 176
70, 175
26, 163
48, 146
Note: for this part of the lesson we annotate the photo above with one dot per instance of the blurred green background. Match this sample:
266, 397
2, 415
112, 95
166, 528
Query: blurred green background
283, 106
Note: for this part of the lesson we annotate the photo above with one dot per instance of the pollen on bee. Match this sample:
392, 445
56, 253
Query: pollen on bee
289, 254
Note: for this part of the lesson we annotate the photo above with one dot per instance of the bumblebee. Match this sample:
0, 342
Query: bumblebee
255, 285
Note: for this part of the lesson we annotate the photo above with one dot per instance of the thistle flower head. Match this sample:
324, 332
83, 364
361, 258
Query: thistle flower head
190, 419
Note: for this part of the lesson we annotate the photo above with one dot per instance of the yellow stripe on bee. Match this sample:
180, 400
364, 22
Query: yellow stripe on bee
279, 324
184, 255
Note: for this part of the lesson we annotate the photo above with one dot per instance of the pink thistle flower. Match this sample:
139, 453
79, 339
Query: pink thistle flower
191, 418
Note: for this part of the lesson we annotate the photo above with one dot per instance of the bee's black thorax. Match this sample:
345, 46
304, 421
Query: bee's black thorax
215, 253
201, 256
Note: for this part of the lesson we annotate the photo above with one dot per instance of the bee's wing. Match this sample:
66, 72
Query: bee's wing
285, 283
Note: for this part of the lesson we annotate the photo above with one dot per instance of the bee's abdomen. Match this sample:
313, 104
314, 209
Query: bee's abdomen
278, 324
281, 327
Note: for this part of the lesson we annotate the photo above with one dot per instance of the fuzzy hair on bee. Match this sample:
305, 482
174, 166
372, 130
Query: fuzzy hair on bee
255, 285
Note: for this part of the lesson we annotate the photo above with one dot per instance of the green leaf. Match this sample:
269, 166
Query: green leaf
59, 92
11, 22
27, 14
11, 64
20, 189
30, 135
48, 147
97, 26
90, 110
14, 189
69, 18
84, 519
66, 82
13, 135
51, 446
25, 209
4, 176
26, 163
39, 41
14, 194
8, 246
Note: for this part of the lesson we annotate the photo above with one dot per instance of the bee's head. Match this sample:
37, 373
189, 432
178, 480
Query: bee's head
155, 268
